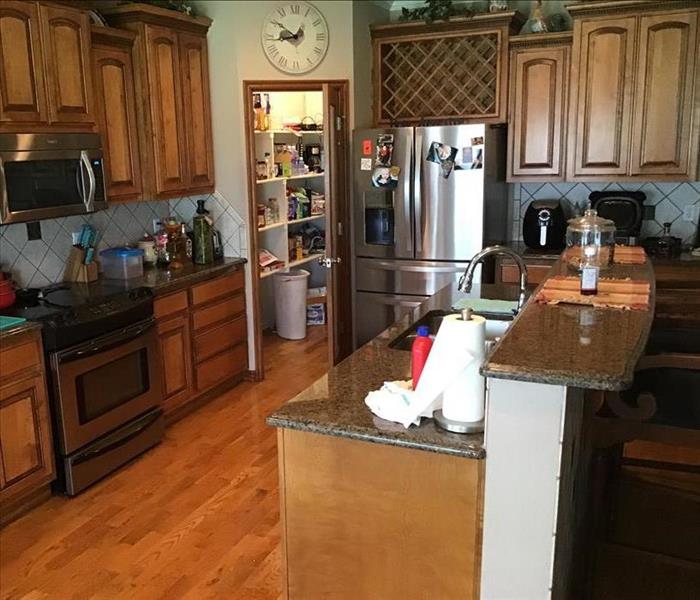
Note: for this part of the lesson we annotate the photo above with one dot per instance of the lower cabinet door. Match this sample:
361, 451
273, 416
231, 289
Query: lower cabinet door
25, 437
176, 357
221, 367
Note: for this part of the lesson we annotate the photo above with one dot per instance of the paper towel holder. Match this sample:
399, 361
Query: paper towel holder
459, 426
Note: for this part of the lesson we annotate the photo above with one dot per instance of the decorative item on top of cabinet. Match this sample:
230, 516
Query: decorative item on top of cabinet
454, 71
26, 449
539, 81
172, 76
635, 84
113, 75
45, 78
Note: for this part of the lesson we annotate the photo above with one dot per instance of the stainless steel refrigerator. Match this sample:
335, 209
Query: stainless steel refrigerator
425, 200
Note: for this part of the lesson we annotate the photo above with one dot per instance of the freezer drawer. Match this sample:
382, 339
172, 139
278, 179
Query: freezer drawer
422, 278
379, 311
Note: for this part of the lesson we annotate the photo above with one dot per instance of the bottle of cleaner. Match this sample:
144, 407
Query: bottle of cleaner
419, 353
203, 246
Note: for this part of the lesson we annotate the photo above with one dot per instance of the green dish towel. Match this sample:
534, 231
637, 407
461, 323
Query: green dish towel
484, 305
6, 322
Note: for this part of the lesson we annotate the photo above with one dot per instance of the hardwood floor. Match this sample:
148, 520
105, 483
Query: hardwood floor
196, 518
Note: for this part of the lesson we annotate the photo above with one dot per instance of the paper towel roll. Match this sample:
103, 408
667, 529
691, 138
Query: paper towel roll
463, 399
454, 362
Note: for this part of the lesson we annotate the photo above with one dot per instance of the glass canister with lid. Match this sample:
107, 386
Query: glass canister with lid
591, 237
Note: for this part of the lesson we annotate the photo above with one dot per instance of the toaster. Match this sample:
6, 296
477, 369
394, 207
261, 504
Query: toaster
544, 225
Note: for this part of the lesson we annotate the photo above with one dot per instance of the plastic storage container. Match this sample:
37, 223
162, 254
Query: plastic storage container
590, 236
122, 263
290, 303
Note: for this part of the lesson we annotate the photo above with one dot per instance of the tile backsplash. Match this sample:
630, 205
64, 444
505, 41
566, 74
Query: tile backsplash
669, 201
37, 263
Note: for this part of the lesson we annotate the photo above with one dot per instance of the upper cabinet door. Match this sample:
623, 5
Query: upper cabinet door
537, 123
116, 117
195, 96
601, 107
66, 45
664, 138
166, 111
22, 93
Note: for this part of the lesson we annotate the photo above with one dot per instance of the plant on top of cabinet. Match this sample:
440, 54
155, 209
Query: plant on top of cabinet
634, 91
172, 76
45, 78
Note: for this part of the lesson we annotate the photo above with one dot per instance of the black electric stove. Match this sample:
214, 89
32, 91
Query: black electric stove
74, 313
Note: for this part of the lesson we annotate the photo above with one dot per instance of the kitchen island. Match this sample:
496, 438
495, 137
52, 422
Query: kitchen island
373, 510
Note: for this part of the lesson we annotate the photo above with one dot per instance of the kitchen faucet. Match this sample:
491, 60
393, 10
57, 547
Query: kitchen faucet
466, 280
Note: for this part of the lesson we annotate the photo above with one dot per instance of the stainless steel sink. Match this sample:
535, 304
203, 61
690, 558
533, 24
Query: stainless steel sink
496, 326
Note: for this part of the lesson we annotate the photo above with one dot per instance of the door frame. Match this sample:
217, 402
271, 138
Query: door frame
337, 206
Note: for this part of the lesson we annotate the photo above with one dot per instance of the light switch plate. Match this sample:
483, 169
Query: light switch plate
691, 213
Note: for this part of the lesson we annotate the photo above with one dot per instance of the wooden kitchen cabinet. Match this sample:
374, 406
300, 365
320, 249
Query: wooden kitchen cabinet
172, 79
26, 448
113, 75
537, 269
635, 85
194, 65
45, 73
65, 35
539, 79
22, 92
203, 340
664, 132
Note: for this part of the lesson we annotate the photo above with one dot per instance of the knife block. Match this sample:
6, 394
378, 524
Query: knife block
78, 272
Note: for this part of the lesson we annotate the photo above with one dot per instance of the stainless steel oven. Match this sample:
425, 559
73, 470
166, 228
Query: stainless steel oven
44, 176
107, 394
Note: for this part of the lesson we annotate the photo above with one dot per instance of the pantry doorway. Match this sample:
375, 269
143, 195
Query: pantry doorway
297, 153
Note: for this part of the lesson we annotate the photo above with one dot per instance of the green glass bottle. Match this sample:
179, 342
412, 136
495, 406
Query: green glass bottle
203, 250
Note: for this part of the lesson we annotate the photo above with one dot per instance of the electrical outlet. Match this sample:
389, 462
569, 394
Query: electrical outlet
34, 230
691, 213
75, 237
156, 225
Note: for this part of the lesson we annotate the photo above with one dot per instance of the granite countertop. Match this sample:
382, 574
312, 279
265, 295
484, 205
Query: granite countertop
9, 332
334, 405
576, 346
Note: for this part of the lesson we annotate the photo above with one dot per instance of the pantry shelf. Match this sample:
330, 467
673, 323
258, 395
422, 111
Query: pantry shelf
307, 259
306, 219
292, 178
272, 226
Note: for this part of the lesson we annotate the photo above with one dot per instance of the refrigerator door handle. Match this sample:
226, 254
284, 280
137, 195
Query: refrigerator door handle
398, 265
417, 204
407, 201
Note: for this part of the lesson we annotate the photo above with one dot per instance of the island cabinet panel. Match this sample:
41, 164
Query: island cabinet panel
364, 520
664, 137
66, 40
602, 96
196, 108
22, 92
113, 76
538, 96
26, 447
168, 147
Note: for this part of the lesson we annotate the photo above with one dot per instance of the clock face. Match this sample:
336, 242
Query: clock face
295, 37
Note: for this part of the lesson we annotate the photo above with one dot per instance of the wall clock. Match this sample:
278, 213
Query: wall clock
295, 37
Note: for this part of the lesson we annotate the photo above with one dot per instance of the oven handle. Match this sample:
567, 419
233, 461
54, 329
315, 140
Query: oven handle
126, 435
4, 206
90, 196
107, 342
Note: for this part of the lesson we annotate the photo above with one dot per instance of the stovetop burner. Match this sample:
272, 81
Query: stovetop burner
73, 313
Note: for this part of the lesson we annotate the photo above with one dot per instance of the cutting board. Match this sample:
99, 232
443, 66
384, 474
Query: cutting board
613, 293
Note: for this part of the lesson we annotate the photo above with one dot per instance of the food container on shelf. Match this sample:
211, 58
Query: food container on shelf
590, 236
122, 263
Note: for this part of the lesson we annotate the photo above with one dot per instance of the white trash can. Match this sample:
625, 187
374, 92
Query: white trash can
290, 303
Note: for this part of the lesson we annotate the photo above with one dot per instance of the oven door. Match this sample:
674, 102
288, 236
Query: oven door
46, 184
104, 383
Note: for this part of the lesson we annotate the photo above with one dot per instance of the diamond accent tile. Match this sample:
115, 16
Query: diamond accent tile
666, 212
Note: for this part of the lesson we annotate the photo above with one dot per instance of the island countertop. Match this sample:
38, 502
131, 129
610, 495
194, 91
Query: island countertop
576, 346
334, 405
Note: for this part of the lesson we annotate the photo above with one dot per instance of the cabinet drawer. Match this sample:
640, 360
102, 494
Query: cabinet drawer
215, 340
216, 288
216, 313
20, 357
536, 274
167, 305
222, 367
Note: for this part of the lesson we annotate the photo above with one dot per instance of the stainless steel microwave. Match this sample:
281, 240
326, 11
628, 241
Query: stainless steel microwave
49, 175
